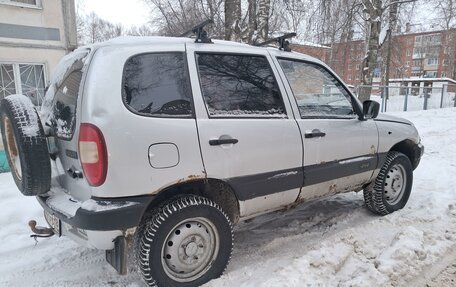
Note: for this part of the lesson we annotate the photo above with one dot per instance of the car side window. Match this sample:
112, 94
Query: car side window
239, 86
64, 110
157, 84
317, 92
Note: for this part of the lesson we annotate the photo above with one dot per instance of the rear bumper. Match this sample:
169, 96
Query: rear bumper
97, 214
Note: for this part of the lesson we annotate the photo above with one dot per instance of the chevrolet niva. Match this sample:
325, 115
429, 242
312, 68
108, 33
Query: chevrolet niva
155, 147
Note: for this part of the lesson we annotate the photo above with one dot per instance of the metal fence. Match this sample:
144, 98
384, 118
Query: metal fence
402, 98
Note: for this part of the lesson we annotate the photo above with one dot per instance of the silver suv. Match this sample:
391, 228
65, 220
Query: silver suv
157, 146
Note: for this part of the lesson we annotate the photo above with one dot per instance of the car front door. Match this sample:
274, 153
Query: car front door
247, 132
340, 151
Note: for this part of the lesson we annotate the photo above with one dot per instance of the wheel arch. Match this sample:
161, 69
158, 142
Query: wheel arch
214, 189
410, 149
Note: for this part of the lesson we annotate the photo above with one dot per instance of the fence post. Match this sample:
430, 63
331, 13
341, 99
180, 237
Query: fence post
407, 90
454, 100
425, 92
444, 90
386, 96
382, 89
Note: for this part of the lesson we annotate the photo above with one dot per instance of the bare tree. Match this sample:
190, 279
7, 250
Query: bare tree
94, 29
233, 20
144, 30
252, 22
392, 22
174, 17
373, 10
446, 9
264, 7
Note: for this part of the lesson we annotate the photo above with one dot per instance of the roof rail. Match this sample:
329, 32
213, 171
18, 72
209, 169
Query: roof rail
282, 40
201, 34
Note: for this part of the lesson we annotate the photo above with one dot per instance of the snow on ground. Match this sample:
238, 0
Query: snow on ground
329, 242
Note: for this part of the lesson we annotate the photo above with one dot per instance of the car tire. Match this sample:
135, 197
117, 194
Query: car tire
391, 189
186, 242
25, 145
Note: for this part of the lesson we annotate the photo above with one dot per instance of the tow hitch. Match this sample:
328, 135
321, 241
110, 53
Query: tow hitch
40, 231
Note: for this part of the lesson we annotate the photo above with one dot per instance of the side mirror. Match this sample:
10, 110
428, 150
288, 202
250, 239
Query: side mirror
370, 109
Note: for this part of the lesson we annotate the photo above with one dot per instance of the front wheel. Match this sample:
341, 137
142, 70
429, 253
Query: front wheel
392, 187
186, 242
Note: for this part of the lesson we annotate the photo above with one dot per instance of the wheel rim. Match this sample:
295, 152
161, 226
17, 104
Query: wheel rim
395, 183
189, 249
11, 146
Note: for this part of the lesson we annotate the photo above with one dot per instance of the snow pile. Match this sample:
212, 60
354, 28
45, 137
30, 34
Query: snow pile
328, 242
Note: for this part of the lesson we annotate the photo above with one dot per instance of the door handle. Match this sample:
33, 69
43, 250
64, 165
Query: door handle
314, 134
223, 141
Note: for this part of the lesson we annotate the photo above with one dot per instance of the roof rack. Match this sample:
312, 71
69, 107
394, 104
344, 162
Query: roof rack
282, 40
201, 34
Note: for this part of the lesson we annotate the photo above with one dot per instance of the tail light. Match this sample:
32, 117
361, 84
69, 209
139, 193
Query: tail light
93, 154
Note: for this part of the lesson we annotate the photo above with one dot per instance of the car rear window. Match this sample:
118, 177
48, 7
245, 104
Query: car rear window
157, 85
64, 109
59, 106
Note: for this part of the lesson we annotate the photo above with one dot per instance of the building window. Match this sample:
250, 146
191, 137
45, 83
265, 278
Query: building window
445, 62
358, 66
407, 64
349, 78
377, 72
417, 63
408, 53
431, 74
7, 83
433, 61
22, 3
26, 79
444, 74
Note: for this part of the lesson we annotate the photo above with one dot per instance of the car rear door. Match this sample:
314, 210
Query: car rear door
340, 151
247, 131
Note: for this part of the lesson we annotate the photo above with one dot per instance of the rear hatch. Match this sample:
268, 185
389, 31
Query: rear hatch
60, 116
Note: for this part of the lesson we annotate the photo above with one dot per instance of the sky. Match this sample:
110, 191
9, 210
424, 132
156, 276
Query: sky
126, 12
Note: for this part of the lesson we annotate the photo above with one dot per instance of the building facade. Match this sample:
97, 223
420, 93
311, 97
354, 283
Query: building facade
415, 57
34, 36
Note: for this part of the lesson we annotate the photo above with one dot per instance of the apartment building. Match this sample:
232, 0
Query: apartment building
417, 58
34, 36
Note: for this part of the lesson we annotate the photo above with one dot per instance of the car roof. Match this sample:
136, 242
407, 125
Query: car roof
155, 40
160, 40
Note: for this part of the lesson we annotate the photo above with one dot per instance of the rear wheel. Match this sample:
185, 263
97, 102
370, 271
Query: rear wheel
392, 187
186, 242
25, 145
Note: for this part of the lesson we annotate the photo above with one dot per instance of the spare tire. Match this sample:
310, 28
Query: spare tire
25, 145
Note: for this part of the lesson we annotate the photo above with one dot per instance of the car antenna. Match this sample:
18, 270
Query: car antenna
201, 34
284, 44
